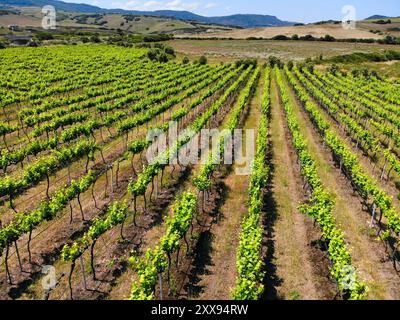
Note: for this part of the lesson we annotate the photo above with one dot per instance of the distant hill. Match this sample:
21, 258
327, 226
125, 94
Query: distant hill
250, 21
378, 17
239, 20
59, 5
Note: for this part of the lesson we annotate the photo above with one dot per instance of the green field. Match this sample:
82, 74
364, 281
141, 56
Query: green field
77, 183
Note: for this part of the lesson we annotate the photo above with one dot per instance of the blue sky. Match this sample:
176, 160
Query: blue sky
292, 10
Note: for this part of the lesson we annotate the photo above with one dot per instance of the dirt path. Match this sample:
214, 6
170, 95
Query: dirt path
368, 254
296, 269
219, 275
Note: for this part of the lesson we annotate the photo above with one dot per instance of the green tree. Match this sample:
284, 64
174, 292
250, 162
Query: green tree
203, 60
185, 60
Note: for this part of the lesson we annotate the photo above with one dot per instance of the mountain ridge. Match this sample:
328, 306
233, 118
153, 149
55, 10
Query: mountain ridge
239, 20
377, 17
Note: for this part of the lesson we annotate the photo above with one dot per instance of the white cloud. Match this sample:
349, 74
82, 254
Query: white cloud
130, 5
211, 5
192, 6
180, 5
174, 3
158, 5
95, 3
152, 4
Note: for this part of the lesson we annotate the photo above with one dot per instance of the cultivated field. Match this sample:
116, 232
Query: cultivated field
86, 214
231, 50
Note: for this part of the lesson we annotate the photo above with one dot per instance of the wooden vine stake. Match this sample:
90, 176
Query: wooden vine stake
156, 189
373, 215
112, 178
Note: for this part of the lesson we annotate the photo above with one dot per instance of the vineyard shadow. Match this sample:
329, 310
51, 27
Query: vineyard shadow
203, 249
271, 279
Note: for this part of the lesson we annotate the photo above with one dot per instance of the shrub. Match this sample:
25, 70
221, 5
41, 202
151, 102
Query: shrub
333, 69
153, 54
33, 44
389, 40
362, 72
169, 50
185, 60
162, 57
392, 55
95, 39
274, 61
281, 37
157, 55
44, 36
158, 37
203, 60
374, 74
307, 37
159, 46
388, 21
328, 38
144, 45
310, 68
246, 62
